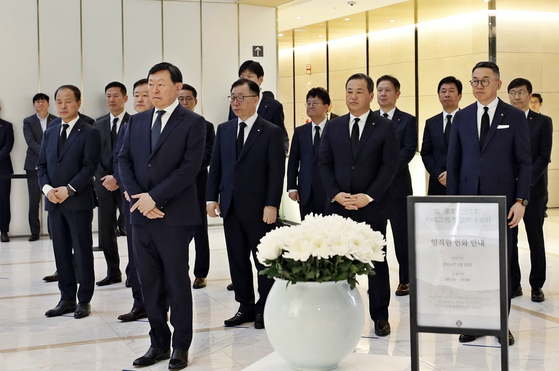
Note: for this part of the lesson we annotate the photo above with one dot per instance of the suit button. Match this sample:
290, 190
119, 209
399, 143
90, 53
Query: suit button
353, 168
149, 165
58, 164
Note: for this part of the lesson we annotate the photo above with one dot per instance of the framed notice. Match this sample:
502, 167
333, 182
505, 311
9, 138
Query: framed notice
458, 266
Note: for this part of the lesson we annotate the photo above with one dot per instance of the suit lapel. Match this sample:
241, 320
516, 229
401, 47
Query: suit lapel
263, 106
76, 131
497, 119
370, 125
531, 120
254, 133
169, 127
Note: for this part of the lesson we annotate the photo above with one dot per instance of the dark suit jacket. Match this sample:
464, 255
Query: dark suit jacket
253, 181
75, 166
85, 118
502, 167
301, 161
433, 153
168, 173
541, 135
33, 134
371, 172
103, 124
406, 128
270, 110
6, 145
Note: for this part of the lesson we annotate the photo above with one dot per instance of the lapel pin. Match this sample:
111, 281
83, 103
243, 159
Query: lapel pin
502, 114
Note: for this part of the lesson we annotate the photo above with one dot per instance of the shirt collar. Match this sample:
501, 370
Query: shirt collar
169, 109
492, 106
362, 118
250, 121
321, 125
390, 113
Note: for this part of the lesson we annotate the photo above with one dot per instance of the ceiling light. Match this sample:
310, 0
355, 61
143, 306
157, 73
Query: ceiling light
347, 19
280, 35
297, 17
392, 20
319, 35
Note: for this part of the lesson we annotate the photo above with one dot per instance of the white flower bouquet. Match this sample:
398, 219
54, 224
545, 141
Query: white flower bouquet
321, 249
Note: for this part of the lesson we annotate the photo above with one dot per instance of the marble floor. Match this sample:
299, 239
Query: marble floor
30, 341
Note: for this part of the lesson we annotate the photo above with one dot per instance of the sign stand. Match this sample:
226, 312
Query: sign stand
458, 268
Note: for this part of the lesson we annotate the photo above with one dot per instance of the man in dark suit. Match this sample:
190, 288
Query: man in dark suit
489, 153
159, 160
388, 92
437, 134
244, 187
357, 170
142, 103
303, 176
106, 185
188, 98
541, 134
6, 170
536, 102
33, 129
67, 161
268, 108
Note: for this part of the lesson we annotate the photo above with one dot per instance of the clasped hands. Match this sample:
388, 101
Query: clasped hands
110, 183
352, 202
268, 216
58, 195
146, 205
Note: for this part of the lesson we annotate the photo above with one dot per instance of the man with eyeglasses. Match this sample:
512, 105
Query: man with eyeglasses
268, 108
541, 134
536, 102
188, 99
388, 92
245, 187
437, 134
303, 176
489, 153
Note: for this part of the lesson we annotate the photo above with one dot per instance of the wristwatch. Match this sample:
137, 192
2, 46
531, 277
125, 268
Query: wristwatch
523, 201
70, 191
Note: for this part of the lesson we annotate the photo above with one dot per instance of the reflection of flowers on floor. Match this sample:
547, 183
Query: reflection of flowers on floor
320, 249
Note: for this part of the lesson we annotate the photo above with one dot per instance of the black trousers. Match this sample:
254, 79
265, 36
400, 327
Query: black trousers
34, 192
202, 243
399, 226
379, 283
162, 256
107, 232
5, 215
533, 221
71, 232
242, 237
132, 267
316, 204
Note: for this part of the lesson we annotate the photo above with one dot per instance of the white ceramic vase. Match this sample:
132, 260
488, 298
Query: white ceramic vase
311, 325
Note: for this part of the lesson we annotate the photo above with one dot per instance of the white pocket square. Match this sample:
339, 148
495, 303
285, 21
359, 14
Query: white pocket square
503, 127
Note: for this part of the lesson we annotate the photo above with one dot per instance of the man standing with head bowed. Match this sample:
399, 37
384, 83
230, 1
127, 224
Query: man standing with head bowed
244, 187
437, 134
159, 160
68, 159
489, 153
358, 160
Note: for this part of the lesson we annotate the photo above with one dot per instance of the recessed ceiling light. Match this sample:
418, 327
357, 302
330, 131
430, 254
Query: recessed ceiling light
347, 19
280, 35
486, 1
392, 20
298, 17
319, 35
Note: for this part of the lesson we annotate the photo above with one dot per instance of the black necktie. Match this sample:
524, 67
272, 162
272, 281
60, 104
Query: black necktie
62, 138
156, 129
113, 133
447, 128
385, 115
316, 144
241, 138
355, 137
484, 127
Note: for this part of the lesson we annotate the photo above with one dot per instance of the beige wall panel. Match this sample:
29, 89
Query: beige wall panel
313, 54
431, 71
288, 121
527, 65
285, 89
347, 53
285, 58
512, 35
182, 43
550, 72
395, 45
429, 106
102, 53
554, 164
553, 186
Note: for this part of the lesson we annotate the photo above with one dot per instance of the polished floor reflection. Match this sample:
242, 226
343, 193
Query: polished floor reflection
29, 341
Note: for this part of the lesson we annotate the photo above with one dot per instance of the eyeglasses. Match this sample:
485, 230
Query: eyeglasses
520, 93
240, 98
185, 99
484, 82
312, 104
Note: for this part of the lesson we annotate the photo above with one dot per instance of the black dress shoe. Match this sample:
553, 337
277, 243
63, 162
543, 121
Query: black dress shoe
199, 283
108, 281
239, 319
403, 289
82, 310
63, 307
179, 359
259, 321
152, 355
134, 315
467, 338
4, 237
34, 237
127, 283
511, 339
516, 292
230, 287
537, 295
51, 278
382, 327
